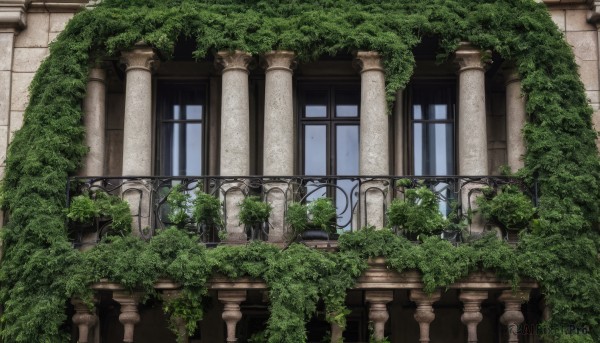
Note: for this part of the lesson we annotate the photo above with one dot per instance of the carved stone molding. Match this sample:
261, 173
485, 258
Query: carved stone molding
234, 60
279, 60
58, 5
13, 15
231, 311
129, 316
378, 313
472, 316
593, 16
468, 57
84, 318
424, 314
512, 315
369, 61
141, 56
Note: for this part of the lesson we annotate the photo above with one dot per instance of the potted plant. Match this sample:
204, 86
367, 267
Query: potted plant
508, 208
313, 221
254, 214
200, 214
99, 208
417, 213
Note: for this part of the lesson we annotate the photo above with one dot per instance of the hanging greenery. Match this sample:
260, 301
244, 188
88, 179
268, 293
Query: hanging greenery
40, 270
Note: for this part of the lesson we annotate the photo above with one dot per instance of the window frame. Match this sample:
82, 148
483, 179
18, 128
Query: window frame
160, 121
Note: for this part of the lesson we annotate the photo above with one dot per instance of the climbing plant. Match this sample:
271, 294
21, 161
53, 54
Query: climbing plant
40, 270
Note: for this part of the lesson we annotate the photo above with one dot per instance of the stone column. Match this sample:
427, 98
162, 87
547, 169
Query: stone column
378, 313
278, 157
231, 311
472, 130
235, 135
593, 17
374, 138
512, 315
472, 316
129, 316
424, 314
336, 333
95, 118
177, 322
137, 131
84, 318
515, 120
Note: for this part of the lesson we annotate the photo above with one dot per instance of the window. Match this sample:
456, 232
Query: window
181, 114
432, 129
329, 124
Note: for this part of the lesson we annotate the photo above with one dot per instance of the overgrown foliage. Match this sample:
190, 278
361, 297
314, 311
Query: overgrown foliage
40, 270
86, 208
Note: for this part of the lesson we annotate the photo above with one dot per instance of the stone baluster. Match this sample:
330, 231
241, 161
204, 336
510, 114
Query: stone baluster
278, 157
515, 120
231, 311
472, 130
84, 318
235, 135
472, 316
512, 316
374, 138
137, 131
178, 322
378, 313
424, 314
129, 316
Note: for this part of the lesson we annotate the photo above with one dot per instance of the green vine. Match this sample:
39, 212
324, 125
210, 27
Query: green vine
40, 270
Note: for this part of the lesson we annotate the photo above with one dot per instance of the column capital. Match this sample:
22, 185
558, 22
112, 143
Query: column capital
369, 61
234, 60
279, 60
468, 57
97, 74
13, 16
141, 56
511, 74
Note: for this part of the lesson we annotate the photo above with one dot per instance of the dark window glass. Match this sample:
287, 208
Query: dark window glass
330, 134
432, 129
181, 112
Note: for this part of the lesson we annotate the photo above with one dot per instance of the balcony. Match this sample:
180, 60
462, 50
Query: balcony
159, 202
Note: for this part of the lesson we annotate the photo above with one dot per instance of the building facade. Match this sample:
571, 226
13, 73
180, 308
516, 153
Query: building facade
237, 124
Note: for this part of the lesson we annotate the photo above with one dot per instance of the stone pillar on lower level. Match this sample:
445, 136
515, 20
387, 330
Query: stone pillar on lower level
424, 314
84, 318
231, 311
374, 138
177, 322
515, 119
129, 316
472, 129
472, 316
235, 134
512, 316
278, 153
378, 312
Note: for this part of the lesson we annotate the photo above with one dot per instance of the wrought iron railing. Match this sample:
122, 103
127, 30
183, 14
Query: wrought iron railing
351, 195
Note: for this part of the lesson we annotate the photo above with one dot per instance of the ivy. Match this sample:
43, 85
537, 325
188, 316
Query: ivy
40, 270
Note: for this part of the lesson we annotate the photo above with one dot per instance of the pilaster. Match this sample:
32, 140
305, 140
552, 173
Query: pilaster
94, 121
231, 311
515, 119
424, 314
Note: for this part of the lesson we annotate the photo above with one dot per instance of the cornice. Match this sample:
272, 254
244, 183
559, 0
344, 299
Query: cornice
13, 14
58, 5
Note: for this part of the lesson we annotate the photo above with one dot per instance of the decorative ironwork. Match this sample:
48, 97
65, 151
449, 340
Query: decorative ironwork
147, 197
